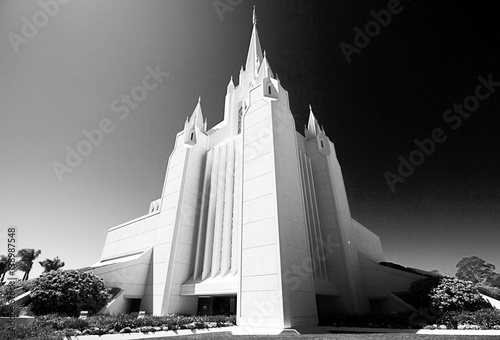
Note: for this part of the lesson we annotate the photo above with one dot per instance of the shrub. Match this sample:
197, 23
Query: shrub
60, 323
420, 290
123, 322
9, 310
17, 288
493, 292
484, 318
31, 332
390, 320
455, 294
68, 292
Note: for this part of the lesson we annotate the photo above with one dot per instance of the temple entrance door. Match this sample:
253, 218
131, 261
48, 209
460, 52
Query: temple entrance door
217, 305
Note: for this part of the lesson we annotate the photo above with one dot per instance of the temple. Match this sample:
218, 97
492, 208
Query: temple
253, 220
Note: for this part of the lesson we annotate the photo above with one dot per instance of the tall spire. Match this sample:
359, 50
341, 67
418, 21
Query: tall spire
254, 57
312, 129
197, 117
230, 86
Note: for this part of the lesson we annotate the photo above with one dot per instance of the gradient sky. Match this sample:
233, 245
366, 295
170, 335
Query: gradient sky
65, 78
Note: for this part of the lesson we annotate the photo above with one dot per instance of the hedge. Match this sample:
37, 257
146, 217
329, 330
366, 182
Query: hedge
484, 319
51, 327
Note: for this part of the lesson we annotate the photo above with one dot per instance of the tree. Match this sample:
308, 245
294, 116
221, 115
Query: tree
26, 259
494, 280
68, 292
49, 264
474, 269
5, 265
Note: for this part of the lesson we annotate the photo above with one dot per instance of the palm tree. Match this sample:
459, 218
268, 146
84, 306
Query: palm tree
4, 267
49, 264
26, 259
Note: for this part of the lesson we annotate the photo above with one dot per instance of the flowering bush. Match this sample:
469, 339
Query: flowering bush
31, 332
455, 294
127, 323
68, 292
482, 319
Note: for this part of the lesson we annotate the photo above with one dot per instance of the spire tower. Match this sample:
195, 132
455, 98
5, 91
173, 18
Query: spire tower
312, 129
255, 56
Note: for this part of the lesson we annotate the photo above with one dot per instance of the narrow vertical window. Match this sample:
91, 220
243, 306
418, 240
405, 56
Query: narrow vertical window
321, 144
192, 135
269, 89
240, 115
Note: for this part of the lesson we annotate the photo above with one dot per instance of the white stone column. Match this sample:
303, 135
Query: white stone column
228, 209
207, 257
219, 212
236, 205
202, 225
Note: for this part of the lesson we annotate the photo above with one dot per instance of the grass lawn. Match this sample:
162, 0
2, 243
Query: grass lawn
390, 336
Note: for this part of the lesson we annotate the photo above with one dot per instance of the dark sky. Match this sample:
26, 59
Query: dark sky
394, 91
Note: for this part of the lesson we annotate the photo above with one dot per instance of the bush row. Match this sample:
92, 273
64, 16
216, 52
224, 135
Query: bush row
31, 332
50, 327
120, 321
479, 319
482, 319
389, 320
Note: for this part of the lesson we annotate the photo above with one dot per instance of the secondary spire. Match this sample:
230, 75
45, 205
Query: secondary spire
197, 117
312, 128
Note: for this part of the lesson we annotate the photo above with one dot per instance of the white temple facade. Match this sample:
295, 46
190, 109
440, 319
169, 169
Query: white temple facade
253, 220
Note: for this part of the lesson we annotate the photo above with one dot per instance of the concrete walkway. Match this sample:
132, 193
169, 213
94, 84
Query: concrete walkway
132, 336
263, 331
330, 330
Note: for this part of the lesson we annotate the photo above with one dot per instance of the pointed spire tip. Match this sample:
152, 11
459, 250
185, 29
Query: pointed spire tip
254, 17
199, 99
